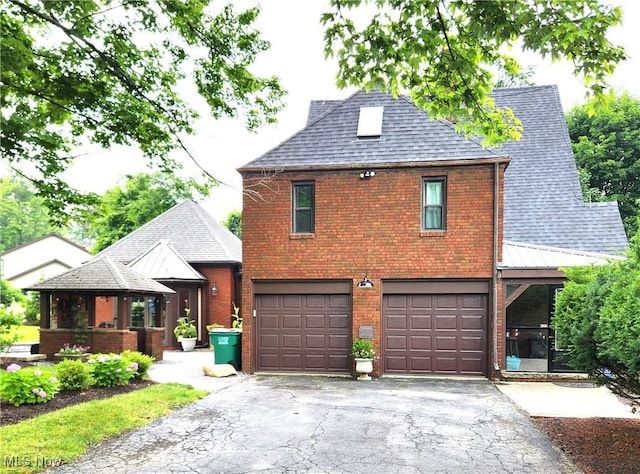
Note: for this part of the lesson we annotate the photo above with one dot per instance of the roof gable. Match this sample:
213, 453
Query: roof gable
192, 232
163, 262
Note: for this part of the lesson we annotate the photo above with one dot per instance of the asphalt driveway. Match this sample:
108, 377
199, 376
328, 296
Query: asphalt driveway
338, 425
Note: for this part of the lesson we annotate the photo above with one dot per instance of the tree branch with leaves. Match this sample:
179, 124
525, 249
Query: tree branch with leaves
108, 72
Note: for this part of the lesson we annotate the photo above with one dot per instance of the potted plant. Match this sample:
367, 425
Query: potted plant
67, 351
186, 333
363, 353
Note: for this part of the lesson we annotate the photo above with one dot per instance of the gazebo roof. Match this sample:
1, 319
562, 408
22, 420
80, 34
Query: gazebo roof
102, 275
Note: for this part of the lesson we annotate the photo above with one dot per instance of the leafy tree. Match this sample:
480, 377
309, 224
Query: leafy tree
123, 209
233, 222
23, 216
10, 294
441, 52
108, 72
607, 148
598, 318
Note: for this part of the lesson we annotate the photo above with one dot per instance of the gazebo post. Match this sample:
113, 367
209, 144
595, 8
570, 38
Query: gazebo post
45, 309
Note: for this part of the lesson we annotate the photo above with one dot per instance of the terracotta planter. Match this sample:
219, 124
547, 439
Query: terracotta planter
364, 367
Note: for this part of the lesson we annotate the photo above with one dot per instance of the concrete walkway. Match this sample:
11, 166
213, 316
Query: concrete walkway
566, 400
298, 424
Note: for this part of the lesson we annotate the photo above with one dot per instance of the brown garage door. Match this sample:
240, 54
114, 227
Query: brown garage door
435, 334
303, 333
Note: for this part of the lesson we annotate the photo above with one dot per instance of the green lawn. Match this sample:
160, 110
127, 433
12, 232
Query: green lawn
27, 333
66, 434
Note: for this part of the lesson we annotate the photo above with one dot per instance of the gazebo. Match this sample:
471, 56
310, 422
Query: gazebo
68, 309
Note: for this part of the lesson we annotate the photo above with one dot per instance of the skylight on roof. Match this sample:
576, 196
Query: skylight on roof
370, 122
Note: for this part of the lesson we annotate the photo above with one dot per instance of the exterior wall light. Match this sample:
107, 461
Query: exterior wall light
214, 289
367, 174
365, 283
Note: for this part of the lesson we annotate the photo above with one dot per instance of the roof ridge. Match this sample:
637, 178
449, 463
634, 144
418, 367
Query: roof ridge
205, 218
115, 271
146, 224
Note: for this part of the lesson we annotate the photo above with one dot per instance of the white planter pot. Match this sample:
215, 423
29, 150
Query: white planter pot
364, 367
188, 343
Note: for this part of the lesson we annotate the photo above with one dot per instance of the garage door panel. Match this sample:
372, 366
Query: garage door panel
420, 343
421, 302
338, 321
471, 344
396, 342
305, 332
396, 363
420, 322
396, 321
336, 363
315, 341
291, 321
438, 334
421, 364
314, 321
472, 322
449, 321
339, 341
446, 301
292, 301
291, 341
269, 321
269, 341
268, 361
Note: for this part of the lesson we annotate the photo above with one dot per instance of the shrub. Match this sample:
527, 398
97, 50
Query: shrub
30, 385
111, 370
74, 375
597, 317
363, 349
10, 317
144, 361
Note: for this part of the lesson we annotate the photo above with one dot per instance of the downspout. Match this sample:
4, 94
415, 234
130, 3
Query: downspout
496, 194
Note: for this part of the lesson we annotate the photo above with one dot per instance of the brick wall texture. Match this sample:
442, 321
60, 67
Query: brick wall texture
370, 226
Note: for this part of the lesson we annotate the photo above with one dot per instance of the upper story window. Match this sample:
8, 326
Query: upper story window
433, 203
303, 207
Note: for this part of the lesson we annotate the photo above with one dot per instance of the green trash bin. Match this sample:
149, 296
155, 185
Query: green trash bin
227, 346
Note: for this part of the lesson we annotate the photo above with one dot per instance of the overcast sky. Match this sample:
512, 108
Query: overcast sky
296, 56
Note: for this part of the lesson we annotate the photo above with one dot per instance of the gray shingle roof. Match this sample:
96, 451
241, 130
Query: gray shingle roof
103, 275
543, 200
408, 136
189, 229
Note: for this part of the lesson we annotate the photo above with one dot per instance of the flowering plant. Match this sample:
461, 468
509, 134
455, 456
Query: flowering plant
68, 349
363, 349
111, 370
29, 385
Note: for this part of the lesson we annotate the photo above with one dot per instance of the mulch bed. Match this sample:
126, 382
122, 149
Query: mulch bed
10, 414
597, 445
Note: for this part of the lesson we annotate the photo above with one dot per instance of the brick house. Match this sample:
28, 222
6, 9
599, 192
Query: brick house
193, 261
375, 221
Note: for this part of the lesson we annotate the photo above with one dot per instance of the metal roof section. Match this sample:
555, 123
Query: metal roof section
103, 275
518, 255
163, 262
192, 232
370, 122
